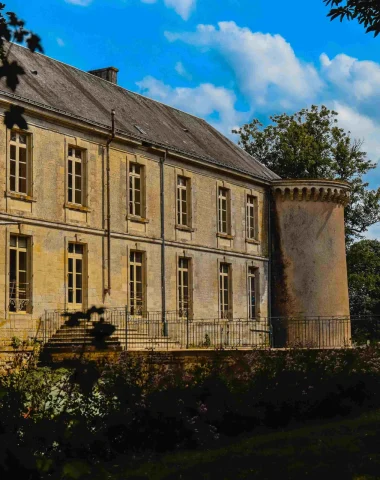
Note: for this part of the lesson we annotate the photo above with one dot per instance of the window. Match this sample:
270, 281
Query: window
223, 210
19, 274
75, 275
182, 201
135, 189
136, 285
19, 171
252, 292
224, 290
183, 287
76, 176
251, 217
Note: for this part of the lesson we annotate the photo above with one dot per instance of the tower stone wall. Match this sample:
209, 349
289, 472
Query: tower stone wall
309, 271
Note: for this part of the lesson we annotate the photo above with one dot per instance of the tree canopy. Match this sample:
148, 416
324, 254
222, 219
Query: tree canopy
366, 12
310, 144
12, 29
363, 265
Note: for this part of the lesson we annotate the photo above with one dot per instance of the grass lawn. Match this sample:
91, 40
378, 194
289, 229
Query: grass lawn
342, 449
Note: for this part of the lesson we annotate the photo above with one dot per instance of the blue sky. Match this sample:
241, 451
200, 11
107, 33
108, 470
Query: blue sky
227, 61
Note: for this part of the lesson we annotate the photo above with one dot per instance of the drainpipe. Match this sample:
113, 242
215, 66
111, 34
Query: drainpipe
270, 265
108, 170
163, 277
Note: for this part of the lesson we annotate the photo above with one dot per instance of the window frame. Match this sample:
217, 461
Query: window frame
180, 201
83, 176
76, 256
181, 287
28, 162
132, 189
133, 300
252, 279
225, 299
27, 271
224, 195
251, 220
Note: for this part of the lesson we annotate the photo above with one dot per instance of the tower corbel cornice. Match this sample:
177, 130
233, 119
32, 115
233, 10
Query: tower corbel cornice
317, 190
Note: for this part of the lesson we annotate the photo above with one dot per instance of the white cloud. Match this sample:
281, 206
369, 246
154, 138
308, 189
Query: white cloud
183, 7
358, 78
204, 100
266, 67
361, 127
181, 70
60, 42
82, 3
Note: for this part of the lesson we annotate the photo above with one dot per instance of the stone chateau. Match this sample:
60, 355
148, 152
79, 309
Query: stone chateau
114, 199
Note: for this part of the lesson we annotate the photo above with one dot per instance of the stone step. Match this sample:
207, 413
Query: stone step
78, 341
70, 348
64, 335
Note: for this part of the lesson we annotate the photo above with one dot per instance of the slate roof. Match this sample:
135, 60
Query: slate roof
68, 90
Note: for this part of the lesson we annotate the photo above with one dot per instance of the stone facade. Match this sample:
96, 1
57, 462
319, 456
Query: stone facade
120, 215
50, 222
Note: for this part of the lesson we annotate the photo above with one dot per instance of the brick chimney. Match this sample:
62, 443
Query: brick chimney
109, 73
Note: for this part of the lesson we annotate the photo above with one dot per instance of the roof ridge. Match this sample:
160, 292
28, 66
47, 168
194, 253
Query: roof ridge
205, 141
104, 80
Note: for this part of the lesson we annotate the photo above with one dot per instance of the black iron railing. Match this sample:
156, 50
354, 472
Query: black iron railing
153, 331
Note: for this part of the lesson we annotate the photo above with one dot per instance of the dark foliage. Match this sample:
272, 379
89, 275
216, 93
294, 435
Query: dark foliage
366, 12
363, 265
310, 144
55, 424
12, 29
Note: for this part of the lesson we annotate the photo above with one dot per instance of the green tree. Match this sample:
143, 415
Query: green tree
363, 264
366, 12
12, 29
310, 144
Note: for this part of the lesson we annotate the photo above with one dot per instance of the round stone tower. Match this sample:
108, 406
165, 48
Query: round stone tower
309, 271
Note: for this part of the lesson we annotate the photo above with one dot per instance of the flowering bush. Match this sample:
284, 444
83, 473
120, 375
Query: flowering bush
90, 413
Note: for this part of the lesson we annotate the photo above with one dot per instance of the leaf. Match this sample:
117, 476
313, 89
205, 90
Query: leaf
14, 116
44, 465
34, 43
11, 71
14, 21
75, 469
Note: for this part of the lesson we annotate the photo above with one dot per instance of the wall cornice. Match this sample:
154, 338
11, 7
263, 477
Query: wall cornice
317, 190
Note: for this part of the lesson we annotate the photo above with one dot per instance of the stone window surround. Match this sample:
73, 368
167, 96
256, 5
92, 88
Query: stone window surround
27, 197
220, 262
182, 172
142, 162
141, 248
20, 230
83, 176
190, 258
252, 193
85, 276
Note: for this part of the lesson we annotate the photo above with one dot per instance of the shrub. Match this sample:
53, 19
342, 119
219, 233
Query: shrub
135, 407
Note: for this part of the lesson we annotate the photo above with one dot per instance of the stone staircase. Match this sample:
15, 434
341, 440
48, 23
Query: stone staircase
77, 338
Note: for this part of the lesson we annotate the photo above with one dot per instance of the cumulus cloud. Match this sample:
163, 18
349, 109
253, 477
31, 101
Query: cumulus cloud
358, 78
266, 67
361, 126
205, 100
184, 8
82, 3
